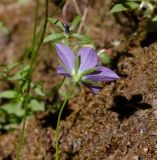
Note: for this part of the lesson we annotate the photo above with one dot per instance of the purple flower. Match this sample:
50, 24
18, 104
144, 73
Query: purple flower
82, 69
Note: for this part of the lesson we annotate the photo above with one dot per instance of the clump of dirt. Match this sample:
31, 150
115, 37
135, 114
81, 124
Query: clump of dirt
118, 123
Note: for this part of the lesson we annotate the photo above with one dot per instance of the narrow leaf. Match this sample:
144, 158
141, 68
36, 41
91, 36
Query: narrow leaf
104, 58
53, 37
82, 38
75, 22
56, 22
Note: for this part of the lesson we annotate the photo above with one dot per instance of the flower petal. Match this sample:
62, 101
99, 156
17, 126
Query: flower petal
67, 57
62, 71
102, 74
94, 89
88, 58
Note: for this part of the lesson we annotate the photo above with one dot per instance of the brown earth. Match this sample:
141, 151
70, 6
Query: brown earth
119, 123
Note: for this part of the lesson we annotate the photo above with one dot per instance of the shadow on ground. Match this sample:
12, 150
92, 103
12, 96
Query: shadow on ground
125, 108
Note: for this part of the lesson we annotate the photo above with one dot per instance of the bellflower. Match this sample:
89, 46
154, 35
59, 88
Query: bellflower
82, 68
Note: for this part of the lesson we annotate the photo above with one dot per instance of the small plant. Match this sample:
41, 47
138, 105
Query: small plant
140, 12
67, 33
12, 110
81, 69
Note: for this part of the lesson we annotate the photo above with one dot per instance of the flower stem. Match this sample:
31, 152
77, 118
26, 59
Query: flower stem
29, 74
58, 121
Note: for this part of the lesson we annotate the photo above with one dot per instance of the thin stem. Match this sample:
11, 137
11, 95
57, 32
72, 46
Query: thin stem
77, 7
58, 121
43, 28
83, 18
26, 96
35, 26
21, 138
59, 85
29, 75
66, 40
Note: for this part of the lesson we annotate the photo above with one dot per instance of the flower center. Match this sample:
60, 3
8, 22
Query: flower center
76, 78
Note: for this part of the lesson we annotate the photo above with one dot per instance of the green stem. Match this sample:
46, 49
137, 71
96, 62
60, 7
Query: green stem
21, 138
43, 29
58, 121
29, 75
66, 39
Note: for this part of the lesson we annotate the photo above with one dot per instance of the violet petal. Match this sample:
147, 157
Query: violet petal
102, 74
67, 57
94, 89
62, 71
88, 58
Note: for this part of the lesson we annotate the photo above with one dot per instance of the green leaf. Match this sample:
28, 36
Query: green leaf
9, 94
17, 76
104, 58
53, 37
154, 19
11, 66
84, 39
56, 22
124, 5
36, 106
21, 74
13, 108
38, 88
75, 22
152, 24
132, 5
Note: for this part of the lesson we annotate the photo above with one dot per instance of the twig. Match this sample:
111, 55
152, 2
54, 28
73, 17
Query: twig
77, 7
83, 19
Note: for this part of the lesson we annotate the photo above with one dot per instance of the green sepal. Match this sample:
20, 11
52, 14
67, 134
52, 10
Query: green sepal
92, 83
66, 69
88, 71
77, 63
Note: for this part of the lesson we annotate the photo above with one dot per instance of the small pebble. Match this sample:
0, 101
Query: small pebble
153, 133
128, 143
145, 150
154, 102
155, 114
135, 158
